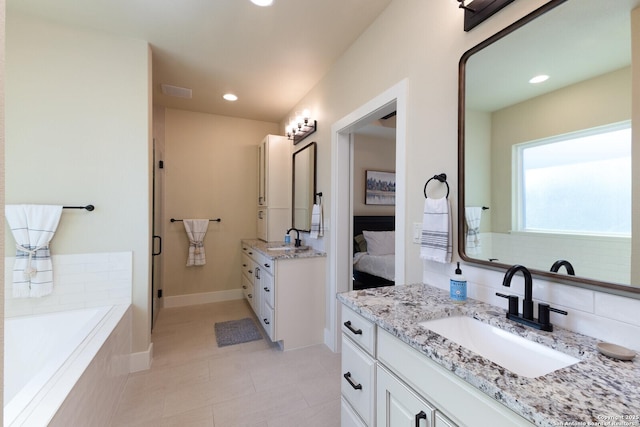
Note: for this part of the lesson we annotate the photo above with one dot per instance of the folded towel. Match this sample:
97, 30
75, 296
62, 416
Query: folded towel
316, 222
436, 242
473, 215
33, 227
196, 230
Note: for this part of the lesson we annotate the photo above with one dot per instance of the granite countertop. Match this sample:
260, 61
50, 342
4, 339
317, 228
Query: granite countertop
293, 253
597, 391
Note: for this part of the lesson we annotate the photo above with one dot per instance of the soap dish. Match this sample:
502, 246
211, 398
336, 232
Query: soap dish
615, 351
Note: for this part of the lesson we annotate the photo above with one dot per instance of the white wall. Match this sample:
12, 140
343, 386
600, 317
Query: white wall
78, 132
423, 42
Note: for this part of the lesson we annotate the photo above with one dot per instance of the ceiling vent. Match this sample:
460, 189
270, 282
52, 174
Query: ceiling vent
178, 92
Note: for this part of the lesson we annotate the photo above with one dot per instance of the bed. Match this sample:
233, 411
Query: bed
373, 266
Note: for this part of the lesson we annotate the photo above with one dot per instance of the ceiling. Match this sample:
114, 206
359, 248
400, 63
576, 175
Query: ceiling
574, 42
269, 57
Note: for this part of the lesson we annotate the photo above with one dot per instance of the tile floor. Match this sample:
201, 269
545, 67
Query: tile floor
193, 383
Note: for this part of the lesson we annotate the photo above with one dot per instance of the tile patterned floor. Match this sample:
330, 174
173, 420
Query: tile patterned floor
193, 383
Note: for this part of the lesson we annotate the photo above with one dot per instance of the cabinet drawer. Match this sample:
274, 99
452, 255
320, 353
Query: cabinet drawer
358, 380
267, 319
359, 329
348, 417
267, 288
247, 266
247, 291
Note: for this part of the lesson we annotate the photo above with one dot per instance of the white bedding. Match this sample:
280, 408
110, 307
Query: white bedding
377, 265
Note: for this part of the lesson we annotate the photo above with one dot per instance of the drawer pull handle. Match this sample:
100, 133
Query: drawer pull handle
267, 265
420, 416
250, 271
355, 386
266, 289
250, 296
355, 331
244, 287
265, 321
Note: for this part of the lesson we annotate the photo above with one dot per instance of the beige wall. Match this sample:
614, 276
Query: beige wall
78, 132
566, 110
2, 79
210, 171
635, 158
370, 153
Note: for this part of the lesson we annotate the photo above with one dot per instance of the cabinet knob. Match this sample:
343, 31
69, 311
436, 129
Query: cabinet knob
353, 384
265, 321
420, 416
250, 296
244, 287
267, 265
266, 289
351, 328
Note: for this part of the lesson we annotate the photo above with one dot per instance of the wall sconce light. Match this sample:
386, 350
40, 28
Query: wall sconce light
300, 127
477, 11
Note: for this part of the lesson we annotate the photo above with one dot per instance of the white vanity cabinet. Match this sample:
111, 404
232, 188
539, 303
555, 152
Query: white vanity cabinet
358, 380
274, 187
289, 298
390, 384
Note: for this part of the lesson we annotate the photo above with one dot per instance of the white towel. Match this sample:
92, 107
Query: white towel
196, 230
473, 215
316, 222
33, 227
436, 242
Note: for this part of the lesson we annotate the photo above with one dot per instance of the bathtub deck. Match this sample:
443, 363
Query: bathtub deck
193, 382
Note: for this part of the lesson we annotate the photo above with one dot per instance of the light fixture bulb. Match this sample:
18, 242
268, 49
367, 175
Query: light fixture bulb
230, 97
539, 79
262, 3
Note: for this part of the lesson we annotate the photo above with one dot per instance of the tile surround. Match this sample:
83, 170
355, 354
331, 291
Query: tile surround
80, 281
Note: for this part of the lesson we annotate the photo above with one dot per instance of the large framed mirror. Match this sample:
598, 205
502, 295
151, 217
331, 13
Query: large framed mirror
304, 187
545, 169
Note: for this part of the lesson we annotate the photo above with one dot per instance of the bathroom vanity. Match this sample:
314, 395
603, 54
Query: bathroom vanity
398, 372
285, 288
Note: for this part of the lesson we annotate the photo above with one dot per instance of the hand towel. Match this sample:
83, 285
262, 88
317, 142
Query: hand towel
436, 242
196, 230
33, 227
473, 215
316, 222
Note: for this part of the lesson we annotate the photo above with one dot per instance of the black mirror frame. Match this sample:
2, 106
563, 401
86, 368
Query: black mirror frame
614, 288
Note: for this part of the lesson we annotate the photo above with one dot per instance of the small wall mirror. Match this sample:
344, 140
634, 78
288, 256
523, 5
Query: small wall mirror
304, 186
530, 153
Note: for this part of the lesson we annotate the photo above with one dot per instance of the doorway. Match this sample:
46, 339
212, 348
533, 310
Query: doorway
341, 243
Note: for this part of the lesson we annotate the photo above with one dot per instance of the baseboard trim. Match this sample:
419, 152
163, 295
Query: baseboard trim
201, 298
141, 361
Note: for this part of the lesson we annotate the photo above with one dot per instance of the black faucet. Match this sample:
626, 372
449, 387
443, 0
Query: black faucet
298, 242
567, 265
527, 304
526, 318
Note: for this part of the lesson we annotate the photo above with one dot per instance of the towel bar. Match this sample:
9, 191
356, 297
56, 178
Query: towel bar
211, 220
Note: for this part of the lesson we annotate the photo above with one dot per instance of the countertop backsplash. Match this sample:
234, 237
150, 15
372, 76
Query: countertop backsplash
604, 316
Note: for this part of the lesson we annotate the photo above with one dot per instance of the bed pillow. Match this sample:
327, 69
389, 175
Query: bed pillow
360, 243
380, 242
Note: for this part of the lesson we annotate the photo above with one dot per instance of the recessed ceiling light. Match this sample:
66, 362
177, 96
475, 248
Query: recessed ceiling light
262, 2
539, 79
230, 97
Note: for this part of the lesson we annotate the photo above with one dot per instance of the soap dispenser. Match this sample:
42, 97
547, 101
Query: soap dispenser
458, 286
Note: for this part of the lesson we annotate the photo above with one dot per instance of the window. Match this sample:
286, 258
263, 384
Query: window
560, 179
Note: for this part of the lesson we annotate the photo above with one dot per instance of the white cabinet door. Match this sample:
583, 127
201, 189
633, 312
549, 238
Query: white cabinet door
348, 417
262, 173
397, 405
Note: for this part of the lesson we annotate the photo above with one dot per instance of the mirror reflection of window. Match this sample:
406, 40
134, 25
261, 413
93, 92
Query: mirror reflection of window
587, 172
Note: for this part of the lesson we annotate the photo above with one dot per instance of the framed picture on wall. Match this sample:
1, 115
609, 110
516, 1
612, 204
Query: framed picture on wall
380, 188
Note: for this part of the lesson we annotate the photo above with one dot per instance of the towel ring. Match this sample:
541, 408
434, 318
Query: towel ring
442, 178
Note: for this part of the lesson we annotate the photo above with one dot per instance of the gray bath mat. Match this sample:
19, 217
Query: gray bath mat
236, 332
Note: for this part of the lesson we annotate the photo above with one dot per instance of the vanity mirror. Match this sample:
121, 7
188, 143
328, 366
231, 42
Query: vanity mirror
523, 146
304, 186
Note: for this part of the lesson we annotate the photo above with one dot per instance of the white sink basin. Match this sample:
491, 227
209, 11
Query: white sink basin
512, 352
